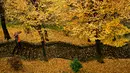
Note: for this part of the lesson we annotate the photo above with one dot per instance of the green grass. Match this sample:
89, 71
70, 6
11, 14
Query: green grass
10, 24
54, 27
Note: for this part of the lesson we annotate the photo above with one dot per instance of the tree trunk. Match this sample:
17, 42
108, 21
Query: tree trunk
40, 32
98, 48
43, 44
2, 16
44, 51
38, 27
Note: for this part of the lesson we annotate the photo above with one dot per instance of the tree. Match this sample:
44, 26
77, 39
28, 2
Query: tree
33, 14
93, 20
97, 20
38, 27
3, 23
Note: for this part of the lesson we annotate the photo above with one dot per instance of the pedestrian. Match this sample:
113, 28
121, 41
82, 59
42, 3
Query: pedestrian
18, 42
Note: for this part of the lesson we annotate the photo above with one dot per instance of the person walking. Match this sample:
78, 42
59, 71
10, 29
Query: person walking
18, 43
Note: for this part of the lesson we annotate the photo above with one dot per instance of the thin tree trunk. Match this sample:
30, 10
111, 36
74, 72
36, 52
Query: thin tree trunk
98, 48
2, 16
43, 44
40, 32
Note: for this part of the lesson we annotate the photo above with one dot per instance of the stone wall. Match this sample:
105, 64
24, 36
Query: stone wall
62, 50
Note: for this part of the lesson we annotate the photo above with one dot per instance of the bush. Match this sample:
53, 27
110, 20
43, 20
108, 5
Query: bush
75, 65
15, 63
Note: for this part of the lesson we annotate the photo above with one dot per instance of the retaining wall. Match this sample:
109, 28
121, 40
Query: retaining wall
62, 50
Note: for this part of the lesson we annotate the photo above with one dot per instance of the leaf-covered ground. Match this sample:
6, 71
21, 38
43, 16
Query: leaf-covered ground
58, 65
53, 35
61, 65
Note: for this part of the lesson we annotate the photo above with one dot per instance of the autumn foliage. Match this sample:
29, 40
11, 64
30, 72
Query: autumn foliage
84, 19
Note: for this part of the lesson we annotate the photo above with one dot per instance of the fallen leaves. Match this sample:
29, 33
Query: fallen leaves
58, 65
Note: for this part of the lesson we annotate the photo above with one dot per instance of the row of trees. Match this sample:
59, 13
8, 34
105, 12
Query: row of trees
93, 20
85, 19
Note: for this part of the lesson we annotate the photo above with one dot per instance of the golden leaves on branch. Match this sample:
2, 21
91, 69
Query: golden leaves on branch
80, 18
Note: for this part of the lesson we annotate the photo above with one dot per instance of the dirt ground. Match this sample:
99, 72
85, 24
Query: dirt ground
59, 65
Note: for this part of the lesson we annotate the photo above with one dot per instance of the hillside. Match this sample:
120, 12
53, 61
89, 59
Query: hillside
59, 65
53, 35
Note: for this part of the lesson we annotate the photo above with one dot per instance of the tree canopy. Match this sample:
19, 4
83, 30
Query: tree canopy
85, 19
97, 19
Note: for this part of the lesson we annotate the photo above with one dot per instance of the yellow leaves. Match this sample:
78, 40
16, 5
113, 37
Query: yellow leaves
52, 9
26, 12
81, 31
18, 4
110, 25
114, 27
118, 42
15, 8
22, 4
112, 32
81, 18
